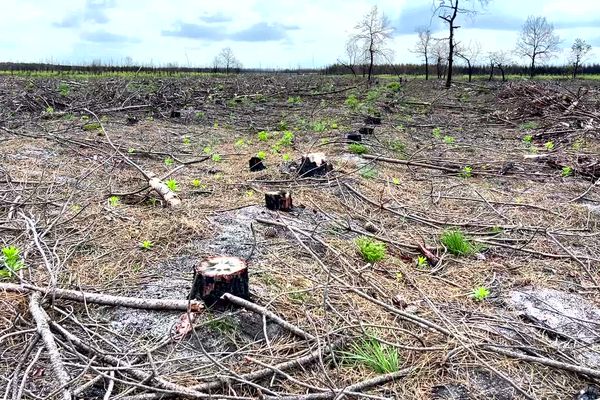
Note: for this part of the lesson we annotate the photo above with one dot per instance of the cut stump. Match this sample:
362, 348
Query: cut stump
373, 120
366, 130
354, 137
216, 276
256, 164
279, 200
314, 164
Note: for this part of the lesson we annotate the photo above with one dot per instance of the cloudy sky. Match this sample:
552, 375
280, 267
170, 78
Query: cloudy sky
275, 33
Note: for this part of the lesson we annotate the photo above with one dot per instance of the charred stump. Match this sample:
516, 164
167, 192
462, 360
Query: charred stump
366, 130
216, 276
132, 120
354, 137
256, 164
373, 120
278, 200
175, 114
314, 164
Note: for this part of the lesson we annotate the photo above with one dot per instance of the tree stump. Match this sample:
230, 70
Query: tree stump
314, 164
256, 164
354, 137
279, 200
366, 130
216, 276
132, 120
373, 120
175, 114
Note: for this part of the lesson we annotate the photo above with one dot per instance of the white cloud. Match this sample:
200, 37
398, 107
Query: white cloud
115, 29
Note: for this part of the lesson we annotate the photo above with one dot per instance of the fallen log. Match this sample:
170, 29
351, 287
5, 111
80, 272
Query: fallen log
106, 299
163, 190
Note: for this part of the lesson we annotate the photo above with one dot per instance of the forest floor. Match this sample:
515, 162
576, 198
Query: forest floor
483, 201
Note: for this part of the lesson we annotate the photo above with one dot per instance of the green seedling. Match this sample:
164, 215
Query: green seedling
549, 145
286, 157
352, 102
396, 181
200, 115
287, 139
261, 154
131, 150
49, 110
466, 172
196, 183
319, 126
282, 126
64, 89
294, 100
263, 136
398, 146
114, 201
357, 148
216, 157
368, 172
207, 150
566, 171
380, 358
92, 126
240, 143
11, 261
172, 185
186, 140
146, 245
371, 250
480, 293
168, 161
437, 133
422, 262
528, 139
449, 139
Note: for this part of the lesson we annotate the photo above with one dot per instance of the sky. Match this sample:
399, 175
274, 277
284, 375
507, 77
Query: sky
261, 33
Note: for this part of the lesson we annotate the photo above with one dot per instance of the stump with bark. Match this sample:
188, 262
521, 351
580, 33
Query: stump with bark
314, 164
279, 200
216, 276
256, 164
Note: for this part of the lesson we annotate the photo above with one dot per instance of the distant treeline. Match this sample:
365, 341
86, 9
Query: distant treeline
434, 70
336, 69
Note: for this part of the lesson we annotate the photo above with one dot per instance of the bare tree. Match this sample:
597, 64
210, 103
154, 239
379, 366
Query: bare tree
579, 52
537, 41
449, 10
226, 60
353, 56
439, 53
499, 59
371, 35
423, 46
469, 54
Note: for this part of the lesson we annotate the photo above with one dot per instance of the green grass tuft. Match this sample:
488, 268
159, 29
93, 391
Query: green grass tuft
371, 250
458, 243
378, 357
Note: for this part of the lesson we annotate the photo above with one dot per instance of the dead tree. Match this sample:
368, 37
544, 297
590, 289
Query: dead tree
579, 52
499, 59
537, 41
448, 11
423, 47
372, 34
353, 56
439, 52
469, 54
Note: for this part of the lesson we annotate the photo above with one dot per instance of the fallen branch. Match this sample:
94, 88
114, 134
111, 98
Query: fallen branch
272, 316
107, 299
357, 387
41, 321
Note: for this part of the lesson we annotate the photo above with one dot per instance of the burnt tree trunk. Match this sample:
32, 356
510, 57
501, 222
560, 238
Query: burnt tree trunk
314, 164
278, 200
216, 276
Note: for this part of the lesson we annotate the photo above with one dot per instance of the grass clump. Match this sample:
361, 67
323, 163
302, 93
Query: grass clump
458, 243
357, 148
371, 250
372, 354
